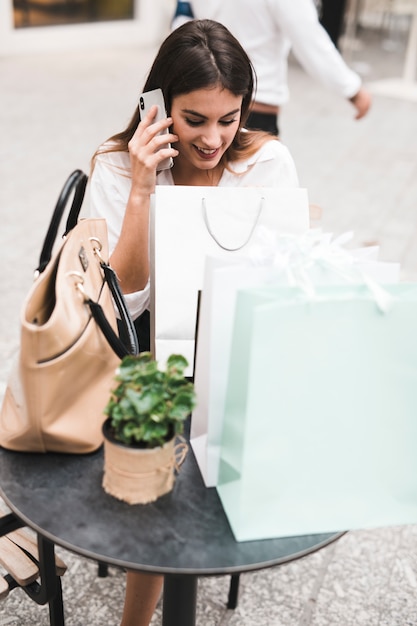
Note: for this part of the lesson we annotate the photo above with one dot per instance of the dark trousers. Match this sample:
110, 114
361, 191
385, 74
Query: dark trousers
262, 121
332, 18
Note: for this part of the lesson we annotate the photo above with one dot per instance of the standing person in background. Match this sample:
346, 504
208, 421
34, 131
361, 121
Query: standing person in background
268, 30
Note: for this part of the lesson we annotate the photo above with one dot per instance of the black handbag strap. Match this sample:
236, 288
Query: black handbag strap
76, 182
129, 344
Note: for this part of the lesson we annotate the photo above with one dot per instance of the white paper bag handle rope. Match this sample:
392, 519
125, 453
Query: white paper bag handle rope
211, 233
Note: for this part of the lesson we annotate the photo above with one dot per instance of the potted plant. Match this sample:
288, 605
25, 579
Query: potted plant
146, 412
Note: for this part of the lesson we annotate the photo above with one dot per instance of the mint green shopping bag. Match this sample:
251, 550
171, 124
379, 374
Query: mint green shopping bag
320, 423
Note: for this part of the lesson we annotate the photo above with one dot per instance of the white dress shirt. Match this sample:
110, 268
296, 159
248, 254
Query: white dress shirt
268, 29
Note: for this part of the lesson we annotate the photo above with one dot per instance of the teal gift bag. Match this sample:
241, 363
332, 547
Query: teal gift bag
320, 423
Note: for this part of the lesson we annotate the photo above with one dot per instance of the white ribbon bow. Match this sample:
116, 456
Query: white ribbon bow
298, 257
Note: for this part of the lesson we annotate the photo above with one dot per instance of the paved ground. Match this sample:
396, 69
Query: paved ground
55, 110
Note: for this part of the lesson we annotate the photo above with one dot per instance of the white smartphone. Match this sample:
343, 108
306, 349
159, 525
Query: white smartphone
146, 101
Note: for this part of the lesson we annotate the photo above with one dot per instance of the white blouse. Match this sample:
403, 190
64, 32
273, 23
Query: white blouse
271, 166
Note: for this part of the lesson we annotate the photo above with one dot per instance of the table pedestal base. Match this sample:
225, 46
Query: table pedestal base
180, 600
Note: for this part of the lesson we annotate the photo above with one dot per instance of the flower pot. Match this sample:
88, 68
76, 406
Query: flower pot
139, 475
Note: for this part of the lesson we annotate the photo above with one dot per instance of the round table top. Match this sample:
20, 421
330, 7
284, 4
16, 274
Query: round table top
184, 532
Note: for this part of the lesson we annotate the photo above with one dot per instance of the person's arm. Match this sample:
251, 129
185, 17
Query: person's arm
130, 257
114, 196
314, 49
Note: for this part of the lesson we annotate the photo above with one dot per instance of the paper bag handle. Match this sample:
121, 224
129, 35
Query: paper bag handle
211, 233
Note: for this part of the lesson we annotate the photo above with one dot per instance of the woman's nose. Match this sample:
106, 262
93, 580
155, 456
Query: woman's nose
211, 137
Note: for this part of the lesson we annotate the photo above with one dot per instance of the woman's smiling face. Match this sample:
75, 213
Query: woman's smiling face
206, 122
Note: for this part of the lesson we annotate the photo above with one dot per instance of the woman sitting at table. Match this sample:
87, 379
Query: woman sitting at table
208, 84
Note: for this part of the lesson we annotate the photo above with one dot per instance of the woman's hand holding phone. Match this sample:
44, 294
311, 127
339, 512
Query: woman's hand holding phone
149, 148
147, 103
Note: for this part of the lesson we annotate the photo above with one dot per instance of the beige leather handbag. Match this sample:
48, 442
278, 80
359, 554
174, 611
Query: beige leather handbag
69, 347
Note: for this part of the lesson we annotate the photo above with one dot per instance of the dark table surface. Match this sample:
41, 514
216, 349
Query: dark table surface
184, 532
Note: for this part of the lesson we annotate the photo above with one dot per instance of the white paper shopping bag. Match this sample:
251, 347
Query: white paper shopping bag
189, 223
222, 279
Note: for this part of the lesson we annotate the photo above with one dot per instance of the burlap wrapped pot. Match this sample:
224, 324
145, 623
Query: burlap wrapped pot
140, 475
